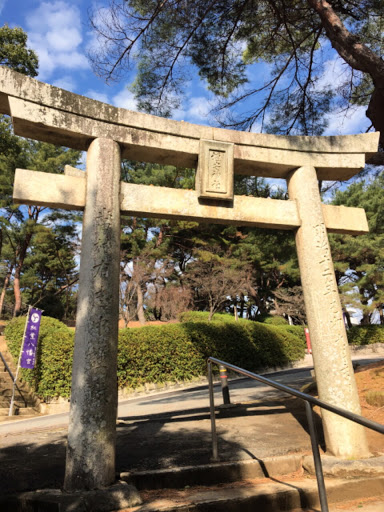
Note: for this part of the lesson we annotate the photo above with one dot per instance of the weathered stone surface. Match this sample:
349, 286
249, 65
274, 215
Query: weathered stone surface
343, 219
90, 460
184, 205
214, 178
69, 192
63, 191
53, 115
213, 474
334, 373
116, 497
339, 468
73, 171
47, 113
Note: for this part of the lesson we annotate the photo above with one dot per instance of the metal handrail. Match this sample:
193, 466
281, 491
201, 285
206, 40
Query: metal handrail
12, 377
309, 400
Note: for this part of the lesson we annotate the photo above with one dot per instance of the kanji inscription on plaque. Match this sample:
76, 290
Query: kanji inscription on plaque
215, 170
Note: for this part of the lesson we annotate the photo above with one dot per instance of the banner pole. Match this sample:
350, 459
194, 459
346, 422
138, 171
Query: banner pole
18, 365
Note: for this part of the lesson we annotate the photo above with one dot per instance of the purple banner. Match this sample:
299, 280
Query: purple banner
28, 356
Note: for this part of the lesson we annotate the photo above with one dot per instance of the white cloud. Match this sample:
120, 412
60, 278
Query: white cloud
65, 82
55, 33
56, 15
68, 39
256, 127
125, 99
198, 109
179, 114
334, 75
99, 96
2, 4
347, 122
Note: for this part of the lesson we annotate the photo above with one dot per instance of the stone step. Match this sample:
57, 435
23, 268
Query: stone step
18, 404
4, 374
266, 495
27, 411
6, 391
213, 474
296, 495
19, 411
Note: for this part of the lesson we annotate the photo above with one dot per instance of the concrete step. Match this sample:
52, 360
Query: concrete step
213, 474
288, 495
273, 484
4, 375
19, 411
17, 403
265, 495
6, 392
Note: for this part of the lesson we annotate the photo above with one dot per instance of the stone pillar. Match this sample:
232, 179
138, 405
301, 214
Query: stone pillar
334, 373
91, 448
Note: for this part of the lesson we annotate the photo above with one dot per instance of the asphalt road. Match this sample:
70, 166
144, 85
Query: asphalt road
174, 402
178, 401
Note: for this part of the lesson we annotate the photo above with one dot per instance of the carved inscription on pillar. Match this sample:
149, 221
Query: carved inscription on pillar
215, 170
333, 332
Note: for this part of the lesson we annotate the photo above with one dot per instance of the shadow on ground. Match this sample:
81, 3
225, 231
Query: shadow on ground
249, 431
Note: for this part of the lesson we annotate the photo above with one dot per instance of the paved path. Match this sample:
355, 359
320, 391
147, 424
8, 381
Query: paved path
165, 430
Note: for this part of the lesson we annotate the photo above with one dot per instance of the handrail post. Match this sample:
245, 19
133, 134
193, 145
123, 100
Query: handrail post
224, 385
316, 458
215, 455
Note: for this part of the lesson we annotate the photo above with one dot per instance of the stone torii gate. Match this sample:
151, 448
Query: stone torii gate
46, 113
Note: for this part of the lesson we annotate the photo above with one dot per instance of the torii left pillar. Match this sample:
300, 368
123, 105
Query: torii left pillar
92, 422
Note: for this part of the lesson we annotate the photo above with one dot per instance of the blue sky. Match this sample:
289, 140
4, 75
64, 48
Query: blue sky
59, 32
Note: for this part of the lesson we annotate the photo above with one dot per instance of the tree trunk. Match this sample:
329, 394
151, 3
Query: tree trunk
242, 303
366, 319
140, 305
4, 290
20, 257
347, 317
17, 291
211, 309
359, 56
235, 311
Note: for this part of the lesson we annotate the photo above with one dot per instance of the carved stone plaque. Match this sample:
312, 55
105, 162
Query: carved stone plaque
215, 170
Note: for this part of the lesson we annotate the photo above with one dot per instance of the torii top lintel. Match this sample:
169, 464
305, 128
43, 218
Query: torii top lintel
44, 112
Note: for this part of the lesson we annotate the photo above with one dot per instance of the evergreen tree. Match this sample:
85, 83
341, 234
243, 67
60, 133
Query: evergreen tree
221, 39
18, 225
359, 261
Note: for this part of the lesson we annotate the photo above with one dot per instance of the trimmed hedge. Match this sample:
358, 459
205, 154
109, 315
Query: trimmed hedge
366, 334
202, 316
275, 320
51, 376
179, 351
154, 354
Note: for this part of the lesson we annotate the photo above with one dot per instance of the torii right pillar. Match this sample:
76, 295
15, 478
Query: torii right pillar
334, 372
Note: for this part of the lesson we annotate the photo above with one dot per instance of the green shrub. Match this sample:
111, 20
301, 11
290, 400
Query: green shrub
296, 330
366, 334
51, 376
202, 316
273, 320
180, 351
154, 354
